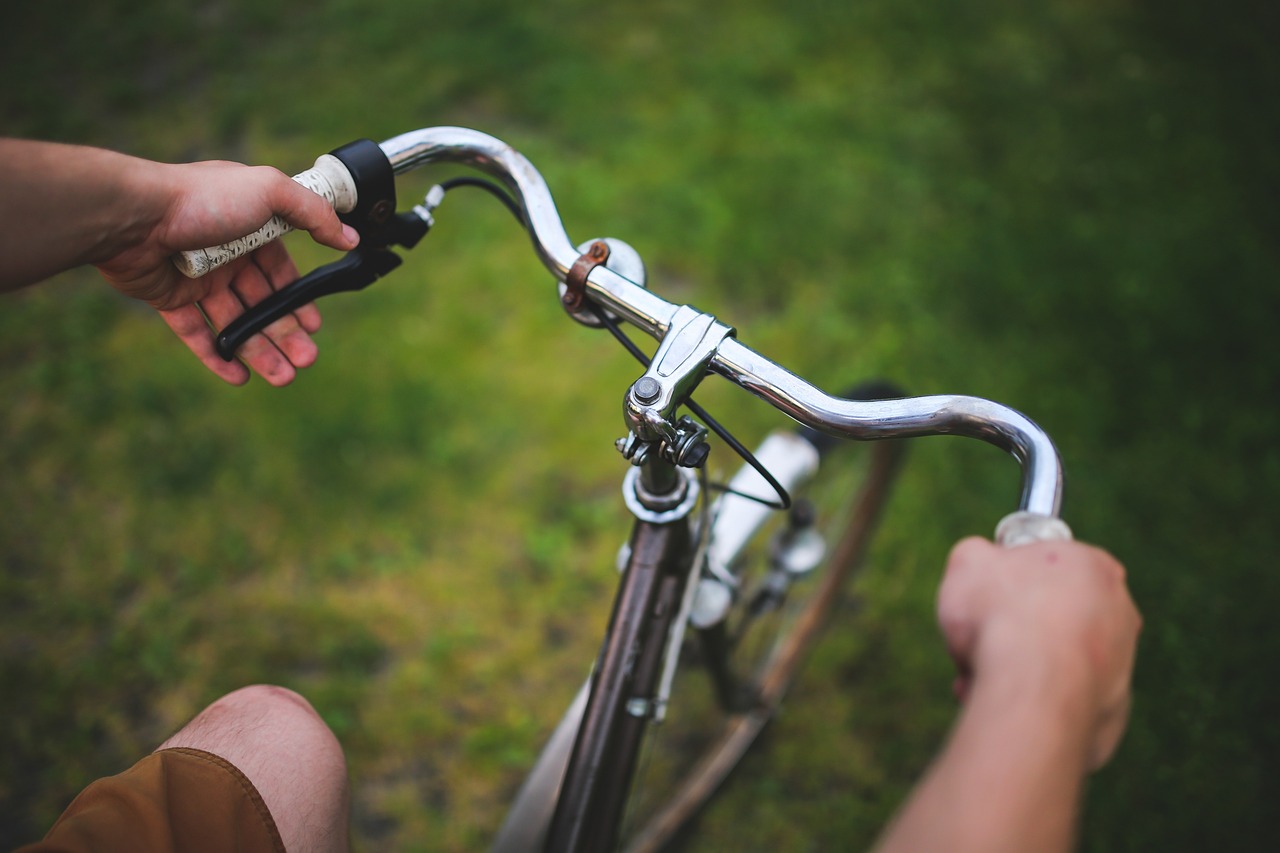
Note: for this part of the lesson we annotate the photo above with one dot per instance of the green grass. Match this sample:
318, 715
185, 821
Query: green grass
1066, 207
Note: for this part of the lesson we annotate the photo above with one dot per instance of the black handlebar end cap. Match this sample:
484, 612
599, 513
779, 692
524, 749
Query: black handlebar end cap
375, 182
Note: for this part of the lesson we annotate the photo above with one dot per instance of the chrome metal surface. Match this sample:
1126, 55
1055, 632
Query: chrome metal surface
552, 245
677, 367
936, 415
631, 495
677, 443
974, 417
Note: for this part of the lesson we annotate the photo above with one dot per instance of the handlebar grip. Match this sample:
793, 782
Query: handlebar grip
329, 177
1025, 528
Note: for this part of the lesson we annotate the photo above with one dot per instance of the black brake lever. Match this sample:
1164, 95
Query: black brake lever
355, 271
379, 226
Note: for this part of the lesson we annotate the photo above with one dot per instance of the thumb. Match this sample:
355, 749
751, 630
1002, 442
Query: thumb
306, 210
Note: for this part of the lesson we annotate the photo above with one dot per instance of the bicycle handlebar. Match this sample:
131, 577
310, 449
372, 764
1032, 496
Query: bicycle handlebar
915, 416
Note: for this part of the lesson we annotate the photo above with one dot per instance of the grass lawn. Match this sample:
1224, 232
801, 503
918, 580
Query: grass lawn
1070, 208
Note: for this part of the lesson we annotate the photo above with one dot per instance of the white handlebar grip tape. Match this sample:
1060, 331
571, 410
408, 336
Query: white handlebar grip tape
1025, 528
328, 178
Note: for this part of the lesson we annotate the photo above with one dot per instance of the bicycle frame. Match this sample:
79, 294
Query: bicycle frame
598, 745
598, 777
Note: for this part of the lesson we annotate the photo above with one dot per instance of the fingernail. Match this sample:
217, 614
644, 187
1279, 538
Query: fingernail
352, 235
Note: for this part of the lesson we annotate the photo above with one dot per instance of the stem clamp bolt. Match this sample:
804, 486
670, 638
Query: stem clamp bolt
647, 390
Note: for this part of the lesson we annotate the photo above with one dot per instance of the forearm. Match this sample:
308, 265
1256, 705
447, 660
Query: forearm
1009, 779
62, 206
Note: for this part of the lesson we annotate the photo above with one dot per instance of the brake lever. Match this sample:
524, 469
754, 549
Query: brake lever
356, 270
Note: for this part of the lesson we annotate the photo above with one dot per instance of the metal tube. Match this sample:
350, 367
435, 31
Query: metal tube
553, 246
604, 752
974, 417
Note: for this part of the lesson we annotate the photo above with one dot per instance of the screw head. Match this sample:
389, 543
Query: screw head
647, 390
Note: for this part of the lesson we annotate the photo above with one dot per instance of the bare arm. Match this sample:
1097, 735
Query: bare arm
62, 206
1044, 638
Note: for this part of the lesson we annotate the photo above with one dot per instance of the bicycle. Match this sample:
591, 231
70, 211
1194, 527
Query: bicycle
738, 587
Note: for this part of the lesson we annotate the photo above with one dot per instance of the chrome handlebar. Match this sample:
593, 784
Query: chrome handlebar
935, 415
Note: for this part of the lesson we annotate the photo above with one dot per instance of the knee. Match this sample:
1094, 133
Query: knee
269, 701
263, 720
274, 736
279, 712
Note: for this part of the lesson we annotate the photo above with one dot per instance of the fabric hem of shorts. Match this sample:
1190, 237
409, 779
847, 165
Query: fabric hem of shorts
259, 804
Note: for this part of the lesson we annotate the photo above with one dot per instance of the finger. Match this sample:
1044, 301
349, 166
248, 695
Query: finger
1110, 732
193, 330
308, 211
222, 306
959, 605
286, 334
970, 550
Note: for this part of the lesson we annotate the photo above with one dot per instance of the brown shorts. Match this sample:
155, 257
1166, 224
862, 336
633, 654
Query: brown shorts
172, 800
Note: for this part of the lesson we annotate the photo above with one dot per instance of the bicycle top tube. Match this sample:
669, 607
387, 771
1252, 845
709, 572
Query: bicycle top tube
916, 416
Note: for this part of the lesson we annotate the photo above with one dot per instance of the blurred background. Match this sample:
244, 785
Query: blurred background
1068, 207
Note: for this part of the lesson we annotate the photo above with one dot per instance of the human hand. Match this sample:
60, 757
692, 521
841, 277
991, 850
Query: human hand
1053, 618
206, 204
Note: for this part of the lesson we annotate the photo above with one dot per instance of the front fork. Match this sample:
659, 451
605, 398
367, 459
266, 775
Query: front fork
625, 680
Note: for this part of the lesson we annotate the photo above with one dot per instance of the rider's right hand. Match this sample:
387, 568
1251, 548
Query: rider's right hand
1052, 620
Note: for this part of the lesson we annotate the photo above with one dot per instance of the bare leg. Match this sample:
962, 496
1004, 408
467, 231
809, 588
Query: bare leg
277, 739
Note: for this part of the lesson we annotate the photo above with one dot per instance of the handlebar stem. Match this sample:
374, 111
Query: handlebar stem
676, 369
